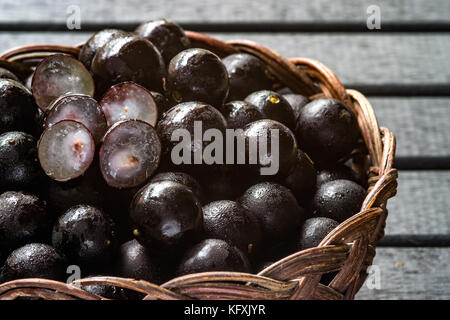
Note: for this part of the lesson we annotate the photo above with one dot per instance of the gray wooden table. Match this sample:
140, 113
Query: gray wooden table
404, 69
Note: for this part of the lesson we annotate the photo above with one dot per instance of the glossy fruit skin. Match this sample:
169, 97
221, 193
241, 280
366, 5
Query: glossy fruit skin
336, 172
39, 120
297, 102
17, 107
213, 255
96, 42
34, 260
327, 130
136, 262
166, 217
276, 209
86, 235
162, 102
287, 146
183, 178
273, 106
184, 116
338, 199
302, 178
197, 75
128, 59
6, 74
229, 221
28, 81
23, 216
314, 230
19, 168
167, 36
240, 113
247, 74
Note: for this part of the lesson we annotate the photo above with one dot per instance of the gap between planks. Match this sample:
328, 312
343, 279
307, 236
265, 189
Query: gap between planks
408, 273
231, 11
415, 240
249, 27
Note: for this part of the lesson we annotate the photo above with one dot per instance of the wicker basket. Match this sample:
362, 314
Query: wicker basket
348, 250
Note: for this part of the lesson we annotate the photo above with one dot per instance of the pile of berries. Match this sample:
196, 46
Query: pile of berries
87, 176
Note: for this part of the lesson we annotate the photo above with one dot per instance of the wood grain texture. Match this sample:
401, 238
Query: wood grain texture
379, 59
421, 125
421, 204
224, 11
364, 58
410, 273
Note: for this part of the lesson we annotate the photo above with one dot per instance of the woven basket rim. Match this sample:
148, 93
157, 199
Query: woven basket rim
348, 249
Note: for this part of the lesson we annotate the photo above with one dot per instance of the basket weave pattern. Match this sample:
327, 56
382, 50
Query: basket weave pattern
348, 250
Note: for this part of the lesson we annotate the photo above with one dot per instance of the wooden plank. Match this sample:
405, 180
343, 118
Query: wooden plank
410, 273
9, 40
382, 59
421, 205
377, 59
421, 125
231, 11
